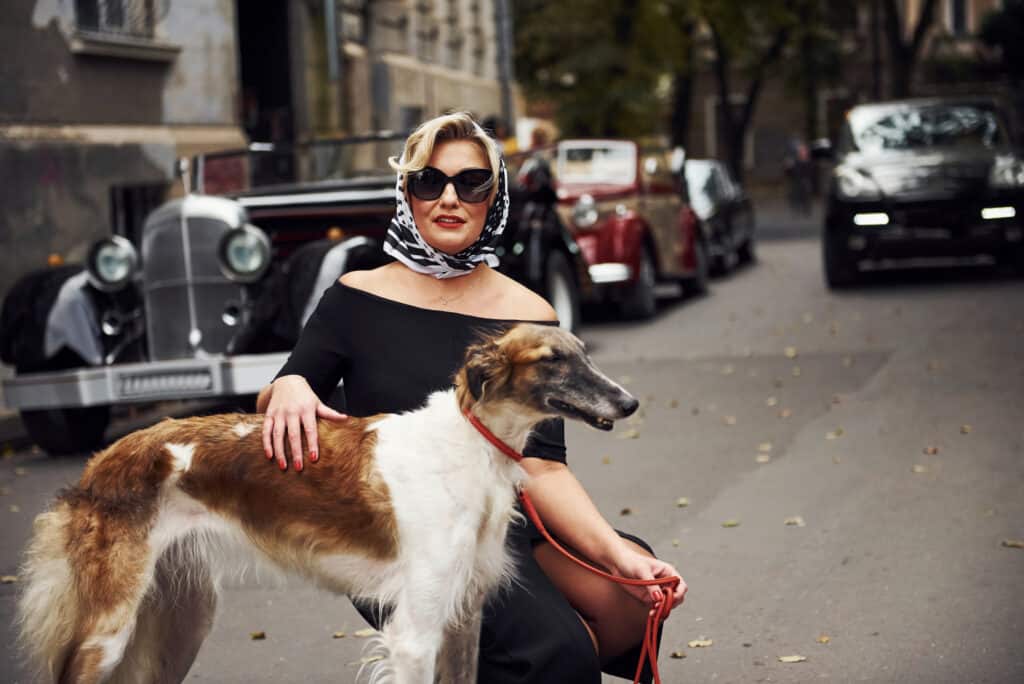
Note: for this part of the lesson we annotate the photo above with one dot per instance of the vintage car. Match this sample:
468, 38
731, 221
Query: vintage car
209, 298
725, 211
919, 180
626, 207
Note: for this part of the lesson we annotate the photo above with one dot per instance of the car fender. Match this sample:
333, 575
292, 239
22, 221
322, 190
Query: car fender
335, 263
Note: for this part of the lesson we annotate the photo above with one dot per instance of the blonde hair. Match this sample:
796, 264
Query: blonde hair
419, 146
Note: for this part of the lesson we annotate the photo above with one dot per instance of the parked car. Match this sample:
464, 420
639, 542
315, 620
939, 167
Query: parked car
210, 298
725, 210
938, 177
626, 208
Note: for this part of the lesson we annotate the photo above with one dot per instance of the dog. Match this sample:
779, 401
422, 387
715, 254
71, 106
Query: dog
410, 510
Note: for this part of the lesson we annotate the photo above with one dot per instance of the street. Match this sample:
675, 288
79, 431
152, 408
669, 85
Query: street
834, 474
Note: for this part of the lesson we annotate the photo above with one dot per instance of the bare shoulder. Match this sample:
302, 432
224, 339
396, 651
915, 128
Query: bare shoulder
519, 302
374, 280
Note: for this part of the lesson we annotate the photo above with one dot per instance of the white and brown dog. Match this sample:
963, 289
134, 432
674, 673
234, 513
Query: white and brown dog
410, 510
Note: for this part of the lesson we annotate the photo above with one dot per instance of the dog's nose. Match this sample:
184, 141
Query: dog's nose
630, 405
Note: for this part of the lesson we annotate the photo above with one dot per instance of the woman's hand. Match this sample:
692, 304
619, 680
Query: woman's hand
632, 564
293, 409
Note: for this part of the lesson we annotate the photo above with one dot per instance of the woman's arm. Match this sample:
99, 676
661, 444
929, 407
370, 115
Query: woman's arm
569, 514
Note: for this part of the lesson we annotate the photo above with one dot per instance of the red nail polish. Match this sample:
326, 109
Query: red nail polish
298, 466
313, 456
284, 466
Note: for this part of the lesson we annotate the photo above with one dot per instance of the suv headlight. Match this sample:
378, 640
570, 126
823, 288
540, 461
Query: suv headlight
854, 184
1007, 172
111, 263
244, 254
584, 213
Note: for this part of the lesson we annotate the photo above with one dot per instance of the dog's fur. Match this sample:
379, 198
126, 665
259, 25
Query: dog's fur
410, 510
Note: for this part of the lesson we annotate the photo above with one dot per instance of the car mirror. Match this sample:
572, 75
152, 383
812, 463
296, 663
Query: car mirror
822, 149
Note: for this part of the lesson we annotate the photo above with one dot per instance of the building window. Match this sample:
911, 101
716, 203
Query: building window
129, 18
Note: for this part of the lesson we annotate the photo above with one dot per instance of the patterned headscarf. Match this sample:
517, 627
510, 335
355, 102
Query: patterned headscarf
405, 243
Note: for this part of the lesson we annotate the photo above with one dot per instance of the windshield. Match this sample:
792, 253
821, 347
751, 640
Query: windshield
913, 127
700, 183
322, 161
612, 163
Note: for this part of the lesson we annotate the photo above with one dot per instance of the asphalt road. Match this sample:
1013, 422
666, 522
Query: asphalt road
886, 422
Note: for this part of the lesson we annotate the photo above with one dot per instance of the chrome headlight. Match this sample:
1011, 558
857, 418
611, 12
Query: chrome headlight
1007, 172
854, 184
584, 213
111, 263
244, 254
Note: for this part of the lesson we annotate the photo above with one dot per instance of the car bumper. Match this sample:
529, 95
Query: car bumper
215, 376
945, 229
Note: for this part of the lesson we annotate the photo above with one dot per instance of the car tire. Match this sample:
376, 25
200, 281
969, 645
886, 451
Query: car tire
747, 252
697, 284
840, 269
562, 292
641, 302
67, 430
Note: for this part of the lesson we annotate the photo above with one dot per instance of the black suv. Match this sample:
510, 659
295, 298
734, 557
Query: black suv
919, 179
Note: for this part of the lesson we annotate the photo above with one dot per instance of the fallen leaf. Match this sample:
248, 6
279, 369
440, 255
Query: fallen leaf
763, 458
833, 329
1013, 543
790, 352
4, 491
11, 579
796, 371
933, 365
606, 460
918, 468
338, 635
675, 543
630, 434
965, 429
15, 508
836, 460
366, 660
694, 411
824, 639
765, 447
674, 403
834, 434
731, 523
792, 659
20, 471
364, 633
728, 369
682, 502
729, 420
847, 361
777, 383
700, 643
771, 401
931, 450
796, 521
836, 399
678, 655
808, 318
8, 451
626, 511
257, 636
785, 413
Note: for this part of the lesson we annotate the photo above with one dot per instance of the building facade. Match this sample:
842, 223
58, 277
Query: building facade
101, 97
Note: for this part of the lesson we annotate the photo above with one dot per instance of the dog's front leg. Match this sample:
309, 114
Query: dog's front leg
460, 650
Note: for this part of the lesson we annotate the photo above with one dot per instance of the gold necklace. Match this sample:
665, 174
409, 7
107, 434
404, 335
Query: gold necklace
445, 301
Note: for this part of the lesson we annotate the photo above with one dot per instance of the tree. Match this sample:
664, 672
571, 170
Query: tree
903, 54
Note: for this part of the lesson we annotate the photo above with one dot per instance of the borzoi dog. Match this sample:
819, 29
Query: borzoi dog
410, 510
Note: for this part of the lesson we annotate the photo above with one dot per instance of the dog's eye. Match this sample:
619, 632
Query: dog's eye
555, 356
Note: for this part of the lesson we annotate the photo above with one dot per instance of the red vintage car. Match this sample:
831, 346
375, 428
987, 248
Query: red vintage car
626, 206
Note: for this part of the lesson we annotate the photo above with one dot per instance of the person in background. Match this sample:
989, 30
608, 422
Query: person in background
395, 334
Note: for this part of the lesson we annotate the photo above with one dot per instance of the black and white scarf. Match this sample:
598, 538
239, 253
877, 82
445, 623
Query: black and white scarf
405, 243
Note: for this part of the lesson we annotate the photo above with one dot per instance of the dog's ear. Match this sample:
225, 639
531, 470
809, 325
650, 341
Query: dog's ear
484, 363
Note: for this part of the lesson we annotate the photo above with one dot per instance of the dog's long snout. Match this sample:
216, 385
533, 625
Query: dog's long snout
629, 405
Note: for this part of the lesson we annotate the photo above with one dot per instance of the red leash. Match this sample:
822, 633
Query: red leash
662, 608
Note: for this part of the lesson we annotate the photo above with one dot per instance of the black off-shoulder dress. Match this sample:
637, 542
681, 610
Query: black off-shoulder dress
391, 356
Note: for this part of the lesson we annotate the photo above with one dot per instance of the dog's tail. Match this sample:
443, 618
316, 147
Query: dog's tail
48, 605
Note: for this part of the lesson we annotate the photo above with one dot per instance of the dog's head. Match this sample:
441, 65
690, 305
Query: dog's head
540, 371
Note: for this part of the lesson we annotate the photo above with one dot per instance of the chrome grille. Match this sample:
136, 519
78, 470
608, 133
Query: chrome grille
168, 279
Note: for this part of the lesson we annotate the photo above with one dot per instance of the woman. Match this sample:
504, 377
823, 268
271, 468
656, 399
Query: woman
397, 333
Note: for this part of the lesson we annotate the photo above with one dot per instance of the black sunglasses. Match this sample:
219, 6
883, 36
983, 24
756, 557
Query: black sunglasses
471, 185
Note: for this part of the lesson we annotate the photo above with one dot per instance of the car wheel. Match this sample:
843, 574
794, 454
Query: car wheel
840, 268
562, 292
67, 430
642, 302
747, 252
698, 283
